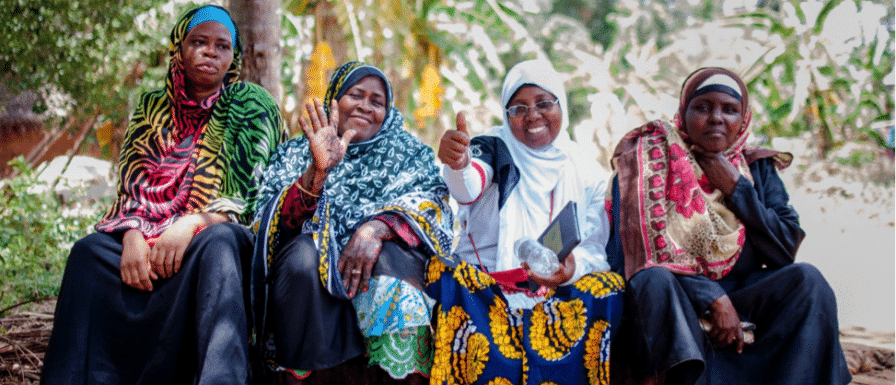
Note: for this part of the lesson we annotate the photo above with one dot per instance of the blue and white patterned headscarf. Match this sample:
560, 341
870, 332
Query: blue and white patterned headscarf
391, 172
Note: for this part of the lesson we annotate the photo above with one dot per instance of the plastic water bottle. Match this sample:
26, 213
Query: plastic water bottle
541, 260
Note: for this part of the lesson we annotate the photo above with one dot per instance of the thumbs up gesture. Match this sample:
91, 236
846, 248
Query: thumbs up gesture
454, 146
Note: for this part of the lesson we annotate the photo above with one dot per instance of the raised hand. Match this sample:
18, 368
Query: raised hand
455, 144
718, 170
327, 148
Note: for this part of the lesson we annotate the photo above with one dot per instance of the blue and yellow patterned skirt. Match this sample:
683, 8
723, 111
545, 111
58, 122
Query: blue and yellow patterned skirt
564, 339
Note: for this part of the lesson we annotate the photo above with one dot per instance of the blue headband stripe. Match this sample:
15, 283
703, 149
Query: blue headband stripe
719, 88
211, 13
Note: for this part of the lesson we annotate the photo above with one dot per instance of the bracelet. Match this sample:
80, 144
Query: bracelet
302, 189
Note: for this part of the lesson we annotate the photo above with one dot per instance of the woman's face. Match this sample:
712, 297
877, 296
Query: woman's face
713, 120
535, 129
362, 108
206, 52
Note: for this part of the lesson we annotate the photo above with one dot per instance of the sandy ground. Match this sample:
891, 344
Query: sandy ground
853, 243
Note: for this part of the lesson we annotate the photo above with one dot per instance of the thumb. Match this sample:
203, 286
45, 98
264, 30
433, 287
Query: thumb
348, 135
461, 123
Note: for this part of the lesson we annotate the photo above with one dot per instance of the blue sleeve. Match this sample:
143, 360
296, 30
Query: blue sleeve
615, 257
701, 290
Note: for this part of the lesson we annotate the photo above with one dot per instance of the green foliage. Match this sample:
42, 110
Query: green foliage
857, 158
822, 81
83, 48
595, 15
35, 237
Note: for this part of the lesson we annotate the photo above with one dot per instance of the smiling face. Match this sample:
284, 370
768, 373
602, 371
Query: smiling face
713, 120
362, 108
535, 129
207, 53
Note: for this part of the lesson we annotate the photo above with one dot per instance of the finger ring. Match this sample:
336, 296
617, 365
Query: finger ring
356, 272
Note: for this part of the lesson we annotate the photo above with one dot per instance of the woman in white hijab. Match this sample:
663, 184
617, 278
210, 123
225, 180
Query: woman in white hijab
498, 321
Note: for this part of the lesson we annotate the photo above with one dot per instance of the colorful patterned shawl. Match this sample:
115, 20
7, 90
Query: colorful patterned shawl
180, 157
391, 172
671, 216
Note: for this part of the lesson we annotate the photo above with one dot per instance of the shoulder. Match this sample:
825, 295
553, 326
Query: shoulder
152, 99
294, 146
587, 168
246, 87
488, 147
655, 129
250, 94
763, 167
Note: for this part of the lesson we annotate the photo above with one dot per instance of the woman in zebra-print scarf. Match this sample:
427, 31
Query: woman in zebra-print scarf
156, 294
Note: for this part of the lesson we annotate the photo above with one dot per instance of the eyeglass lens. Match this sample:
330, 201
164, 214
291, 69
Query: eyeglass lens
540, 107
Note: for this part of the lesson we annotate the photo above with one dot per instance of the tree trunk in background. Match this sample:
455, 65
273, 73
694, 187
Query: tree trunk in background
259, 25
327, 29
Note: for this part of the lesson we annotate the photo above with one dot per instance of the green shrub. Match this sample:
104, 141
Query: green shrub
36, 232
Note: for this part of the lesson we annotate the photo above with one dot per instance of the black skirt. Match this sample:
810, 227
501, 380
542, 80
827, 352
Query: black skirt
191, 328
311, 329
796, 336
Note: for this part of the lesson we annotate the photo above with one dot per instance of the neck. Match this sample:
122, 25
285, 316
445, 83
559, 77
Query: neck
198, 93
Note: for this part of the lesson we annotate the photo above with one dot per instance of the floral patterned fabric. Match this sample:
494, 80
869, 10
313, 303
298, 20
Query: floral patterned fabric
676, 219
564, 339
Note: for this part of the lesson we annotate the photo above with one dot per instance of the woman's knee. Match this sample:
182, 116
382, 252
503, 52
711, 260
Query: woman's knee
652, 277
89, 251
225, 233
809, 281
297, 260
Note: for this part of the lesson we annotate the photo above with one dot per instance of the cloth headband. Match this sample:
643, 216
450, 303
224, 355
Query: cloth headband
212, 13
360, 73
719, 83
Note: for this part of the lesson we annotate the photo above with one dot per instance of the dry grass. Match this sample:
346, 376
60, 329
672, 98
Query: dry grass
24, 335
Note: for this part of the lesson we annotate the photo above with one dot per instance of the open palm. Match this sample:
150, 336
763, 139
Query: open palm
327, 148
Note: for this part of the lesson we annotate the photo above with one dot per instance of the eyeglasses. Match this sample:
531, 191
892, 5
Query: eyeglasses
540, 107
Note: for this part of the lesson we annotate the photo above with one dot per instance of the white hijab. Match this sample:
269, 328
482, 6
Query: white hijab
543, 172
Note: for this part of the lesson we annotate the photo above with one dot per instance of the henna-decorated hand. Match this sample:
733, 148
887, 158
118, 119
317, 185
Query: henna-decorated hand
360, 254
327, 147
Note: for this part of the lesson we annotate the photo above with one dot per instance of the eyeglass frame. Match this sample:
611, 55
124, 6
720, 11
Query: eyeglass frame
540, 110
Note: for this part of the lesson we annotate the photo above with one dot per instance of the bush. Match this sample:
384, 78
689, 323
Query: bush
36, 232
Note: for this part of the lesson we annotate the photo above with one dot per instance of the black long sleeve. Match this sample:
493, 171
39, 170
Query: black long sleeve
773, 228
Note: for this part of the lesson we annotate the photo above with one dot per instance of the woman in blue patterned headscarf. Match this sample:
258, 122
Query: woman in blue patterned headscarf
351, 212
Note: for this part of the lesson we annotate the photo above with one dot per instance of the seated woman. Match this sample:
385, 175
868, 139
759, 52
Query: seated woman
352, 211
156, 295
708, 236
491, 328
